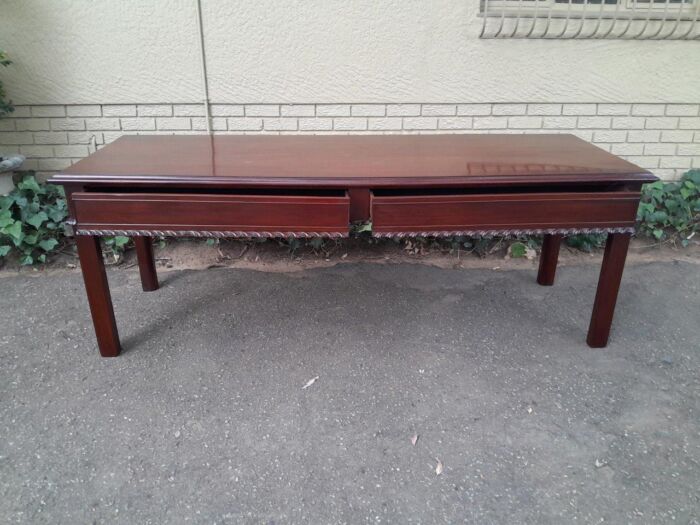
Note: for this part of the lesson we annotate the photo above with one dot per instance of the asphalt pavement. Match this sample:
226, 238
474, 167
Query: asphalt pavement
204, 418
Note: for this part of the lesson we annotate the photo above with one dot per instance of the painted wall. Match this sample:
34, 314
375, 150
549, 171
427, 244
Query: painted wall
318, 51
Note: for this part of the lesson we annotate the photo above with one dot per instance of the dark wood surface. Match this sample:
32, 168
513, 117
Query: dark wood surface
351, 161
147, 265
279, 186
360, 200
99, 298
549, 256
191, 212
608, 288
533, 211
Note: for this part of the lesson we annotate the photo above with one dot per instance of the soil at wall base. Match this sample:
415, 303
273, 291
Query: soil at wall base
274, 256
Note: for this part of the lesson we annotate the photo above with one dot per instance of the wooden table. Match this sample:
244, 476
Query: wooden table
305, 186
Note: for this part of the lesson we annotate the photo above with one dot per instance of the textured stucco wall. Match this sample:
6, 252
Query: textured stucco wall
318, 51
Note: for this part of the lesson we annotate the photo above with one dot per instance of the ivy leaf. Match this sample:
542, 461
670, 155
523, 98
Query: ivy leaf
6, 218
672, 206
13, 230
120, 241
27, 260
5, 203
660, 216
57, 214
38, 219
48, 244
646, 207
518, 250
20, 201
4, 250
29, 183
31, 239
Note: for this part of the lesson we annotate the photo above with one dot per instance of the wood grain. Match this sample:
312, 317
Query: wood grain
608, 288
279, 186
503, 211
548, 259
358, 161
184, 212
147, 265
99, 298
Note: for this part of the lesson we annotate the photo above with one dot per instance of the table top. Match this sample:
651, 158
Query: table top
350, 161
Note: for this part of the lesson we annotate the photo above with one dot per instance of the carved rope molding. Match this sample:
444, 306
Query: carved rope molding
336, 235
505, 232
211, 234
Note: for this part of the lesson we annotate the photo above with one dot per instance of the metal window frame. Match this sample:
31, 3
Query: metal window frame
626, 19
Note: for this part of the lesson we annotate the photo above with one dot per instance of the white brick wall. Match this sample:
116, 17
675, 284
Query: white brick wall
664, 138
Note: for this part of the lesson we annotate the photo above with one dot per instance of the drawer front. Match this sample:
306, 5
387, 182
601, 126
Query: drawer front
215, 215
529, 211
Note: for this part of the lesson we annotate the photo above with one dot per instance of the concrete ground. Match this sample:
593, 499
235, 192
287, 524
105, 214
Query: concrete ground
203, 418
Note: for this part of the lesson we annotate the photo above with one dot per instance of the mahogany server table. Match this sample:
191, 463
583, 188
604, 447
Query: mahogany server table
305, 186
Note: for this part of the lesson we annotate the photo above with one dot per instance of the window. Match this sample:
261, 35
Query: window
623, 19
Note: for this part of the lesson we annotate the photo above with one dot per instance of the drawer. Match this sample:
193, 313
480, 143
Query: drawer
225, 214
536, 211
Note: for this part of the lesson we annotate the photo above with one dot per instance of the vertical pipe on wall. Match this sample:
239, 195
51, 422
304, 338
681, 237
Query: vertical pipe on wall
203, 64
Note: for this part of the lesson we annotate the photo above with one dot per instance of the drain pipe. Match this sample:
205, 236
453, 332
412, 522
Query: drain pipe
203, 64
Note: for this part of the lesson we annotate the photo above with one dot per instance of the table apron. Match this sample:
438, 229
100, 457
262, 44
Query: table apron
504, 213
210, 215
226, 215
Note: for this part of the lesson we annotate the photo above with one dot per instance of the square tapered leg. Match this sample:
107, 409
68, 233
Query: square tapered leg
99, 298
147, 265
608, 287
548, 259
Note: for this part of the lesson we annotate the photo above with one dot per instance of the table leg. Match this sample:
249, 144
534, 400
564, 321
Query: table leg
548, 259
99, 298
147, 266
608, 286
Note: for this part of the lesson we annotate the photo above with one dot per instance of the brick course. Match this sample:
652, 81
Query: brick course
664, 138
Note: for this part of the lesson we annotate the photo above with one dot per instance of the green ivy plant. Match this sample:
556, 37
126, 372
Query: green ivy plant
671, 210
31, 220
5, 105
115, 247
586, 242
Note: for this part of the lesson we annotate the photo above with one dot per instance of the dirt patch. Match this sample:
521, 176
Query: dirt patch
275, 256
